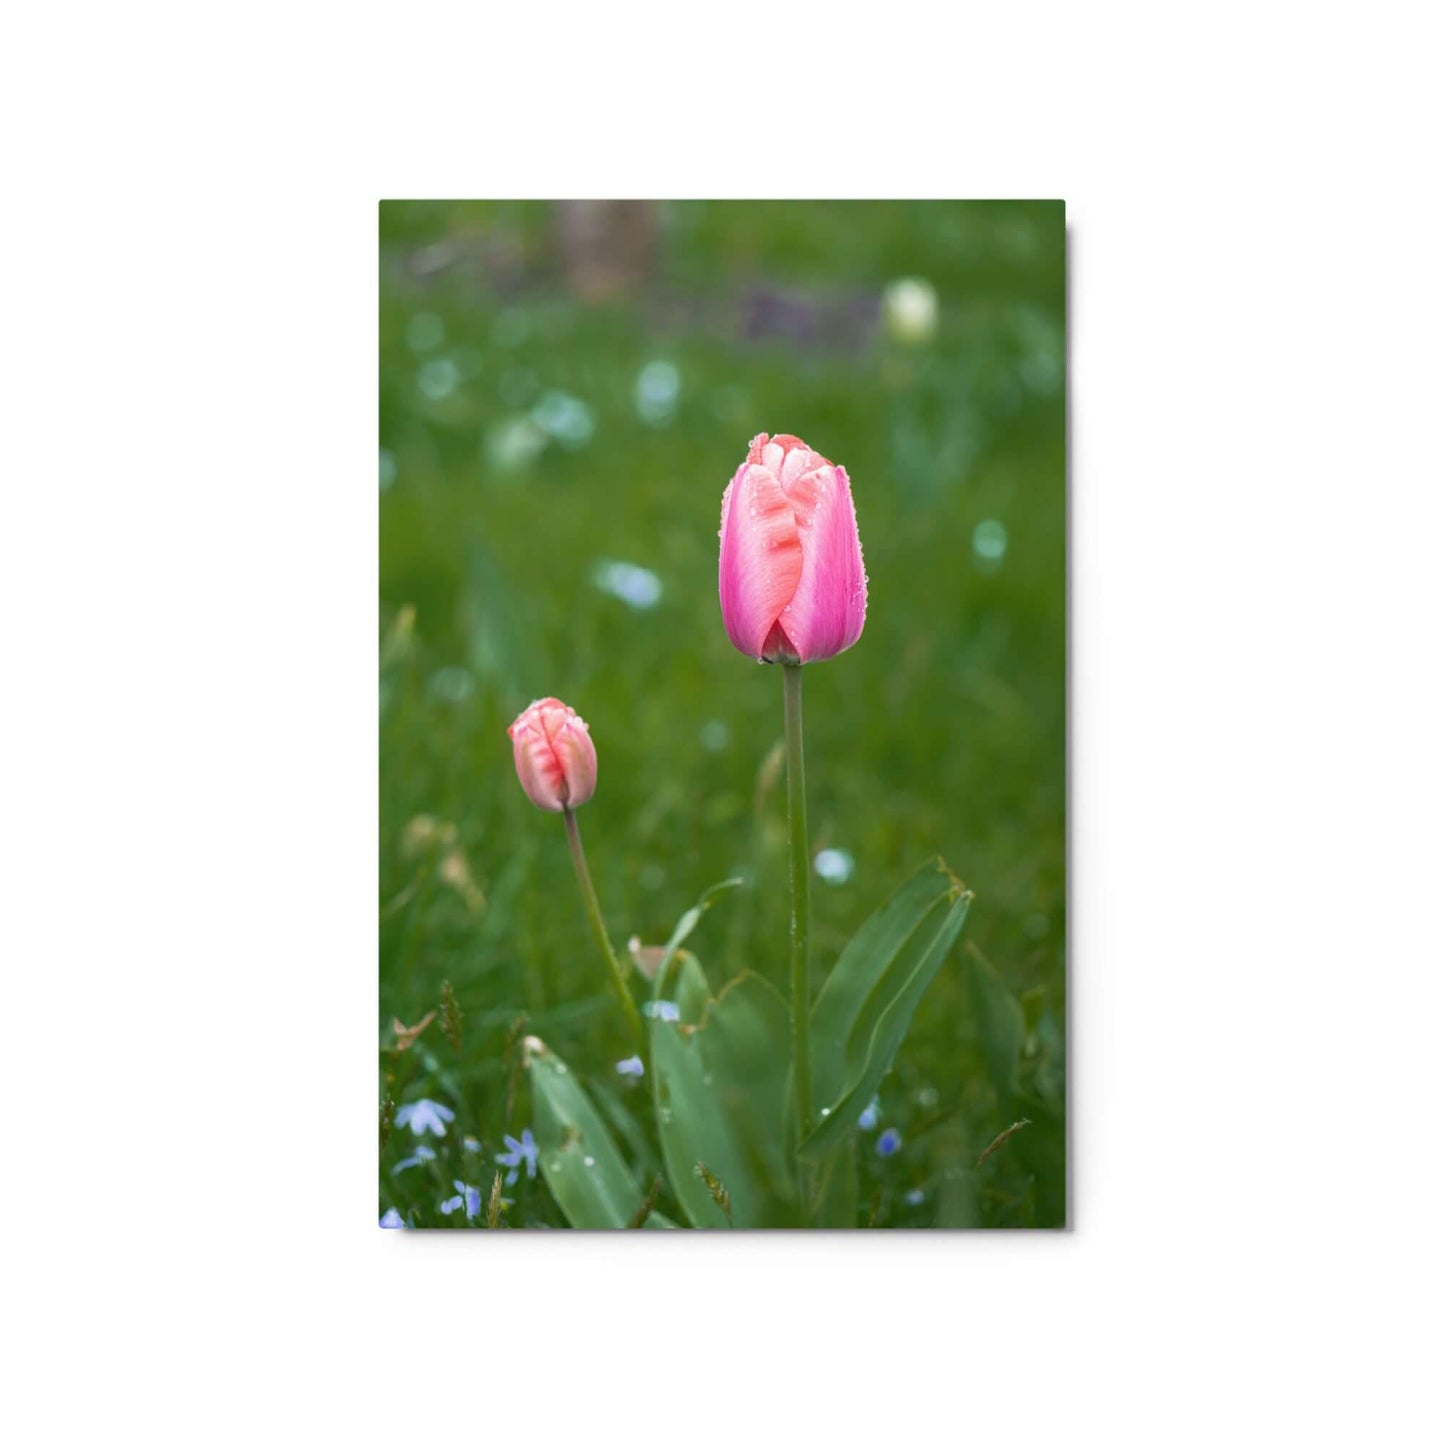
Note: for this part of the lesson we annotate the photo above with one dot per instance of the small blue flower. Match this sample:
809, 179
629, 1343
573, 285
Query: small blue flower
635, 586
868, 1119
914, 1197
471, 1145
519, 1151
392, 1220
423, 1115
663, 1009
472, 1198
890, 1141
420, 1155
631, 1066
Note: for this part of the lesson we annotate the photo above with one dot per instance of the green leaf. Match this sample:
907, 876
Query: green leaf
687, 923
864, 1009
588, 1178
679, 974
1000, 1021
687, 986
1033, 1003
834, 1186
721, 1092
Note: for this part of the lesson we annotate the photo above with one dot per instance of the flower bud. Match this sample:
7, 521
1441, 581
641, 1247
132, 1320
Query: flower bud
556, 762
790, 568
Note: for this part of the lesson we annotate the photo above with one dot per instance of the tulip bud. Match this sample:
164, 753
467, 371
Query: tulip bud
556, 762
790, 569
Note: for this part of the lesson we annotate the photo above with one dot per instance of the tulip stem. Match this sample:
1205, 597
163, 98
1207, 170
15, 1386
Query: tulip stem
599, 929
798, 857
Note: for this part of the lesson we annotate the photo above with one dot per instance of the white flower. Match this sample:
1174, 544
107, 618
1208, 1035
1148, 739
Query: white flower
910, 310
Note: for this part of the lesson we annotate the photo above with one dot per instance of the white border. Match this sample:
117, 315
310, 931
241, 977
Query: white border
190, 763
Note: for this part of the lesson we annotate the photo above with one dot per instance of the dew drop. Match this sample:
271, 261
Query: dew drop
588, 1162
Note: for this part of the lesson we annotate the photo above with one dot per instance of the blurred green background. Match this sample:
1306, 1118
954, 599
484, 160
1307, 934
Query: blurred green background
565, 391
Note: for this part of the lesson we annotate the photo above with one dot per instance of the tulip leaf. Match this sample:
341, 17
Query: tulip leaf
684, 979
1000, 1021
678, 971
833, 1184
693, 917
864, 1009
721, 1092
582, 1167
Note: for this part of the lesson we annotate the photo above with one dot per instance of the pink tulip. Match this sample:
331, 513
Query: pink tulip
790, 570
556, 762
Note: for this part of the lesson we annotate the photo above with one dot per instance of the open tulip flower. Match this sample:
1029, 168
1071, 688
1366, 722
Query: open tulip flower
791, 583
790, 569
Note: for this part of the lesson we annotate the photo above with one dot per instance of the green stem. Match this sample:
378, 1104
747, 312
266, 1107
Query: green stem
599, 929
798, 858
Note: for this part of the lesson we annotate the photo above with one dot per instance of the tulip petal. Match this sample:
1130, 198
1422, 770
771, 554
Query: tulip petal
826, 612
577, 758
539, 769
761, 559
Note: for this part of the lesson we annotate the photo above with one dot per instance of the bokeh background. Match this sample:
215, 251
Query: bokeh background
565, 390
